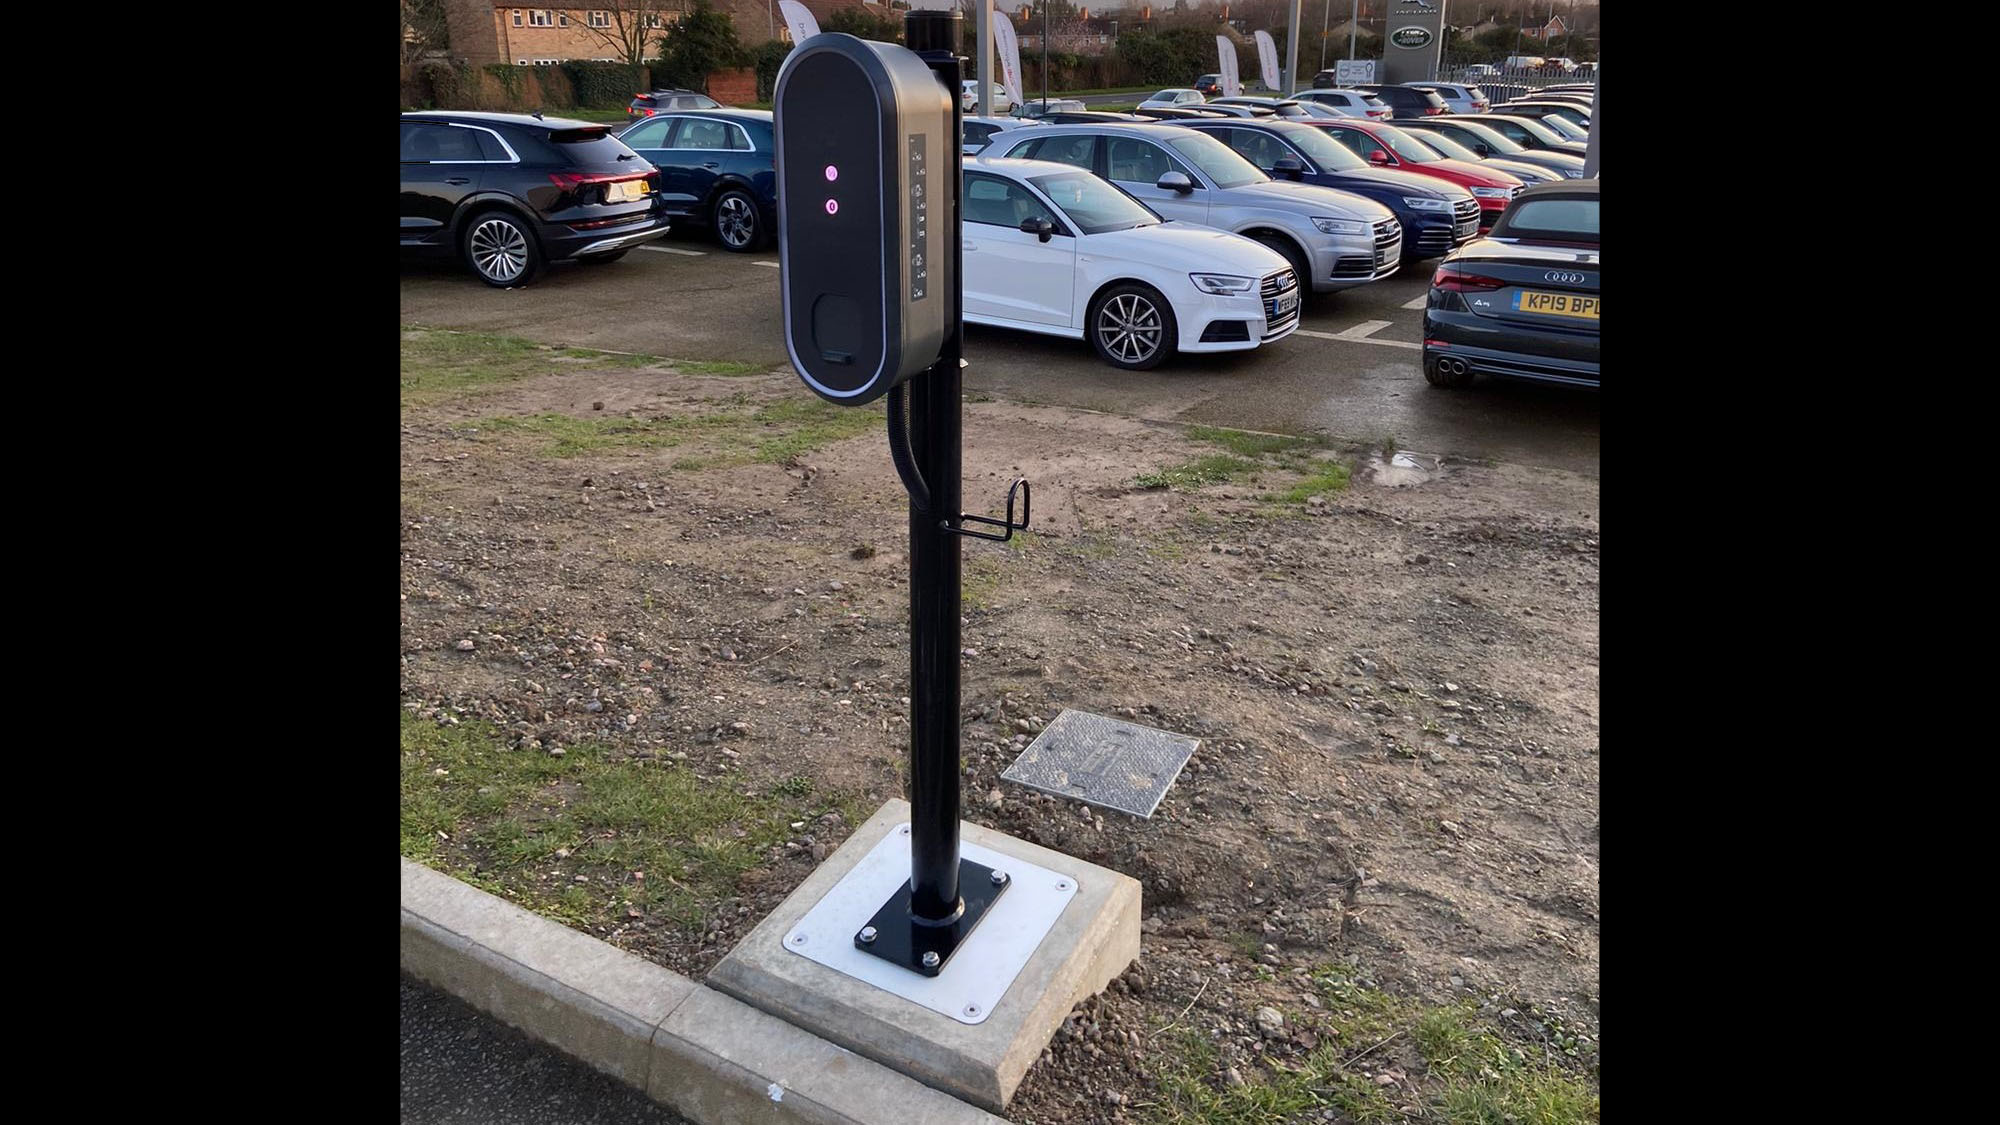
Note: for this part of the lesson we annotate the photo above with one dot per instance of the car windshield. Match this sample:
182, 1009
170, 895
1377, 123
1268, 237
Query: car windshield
1217, 161
1540, 131
1329, 154
1163, 96
1568, 129
1551, 220
1442, 145
1372, 100
1093, 205
1501, 146
1406, 146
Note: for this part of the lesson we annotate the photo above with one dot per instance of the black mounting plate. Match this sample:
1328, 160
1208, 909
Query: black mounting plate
901, 940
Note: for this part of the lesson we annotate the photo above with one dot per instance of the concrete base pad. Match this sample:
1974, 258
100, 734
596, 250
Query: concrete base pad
1095, 938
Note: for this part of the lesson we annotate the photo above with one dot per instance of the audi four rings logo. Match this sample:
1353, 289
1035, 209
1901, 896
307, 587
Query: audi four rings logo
1559, 276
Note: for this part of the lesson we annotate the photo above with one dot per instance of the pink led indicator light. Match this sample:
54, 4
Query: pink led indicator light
833, 206
832, 173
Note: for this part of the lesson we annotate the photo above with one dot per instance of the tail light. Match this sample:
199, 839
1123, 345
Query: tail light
1451, 279
574, 182
1432, 109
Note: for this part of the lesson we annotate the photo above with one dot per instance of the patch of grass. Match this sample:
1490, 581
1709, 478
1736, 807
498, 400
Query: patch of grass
437, 365
496, 817
978, 583
773, 433
1326, 476
612, 359
1243, 443
1463, 1070
1216, 468
813, 423
718, 367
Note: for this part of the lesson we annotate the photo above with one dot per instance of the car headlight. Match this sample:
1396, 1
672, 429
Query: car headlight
1493, 192
1417, 204
1221, 284
1340, 226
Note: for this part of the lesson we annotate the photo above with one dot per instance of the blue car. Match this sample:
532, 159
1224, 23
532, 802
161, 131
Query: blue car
716, 168
1437, 216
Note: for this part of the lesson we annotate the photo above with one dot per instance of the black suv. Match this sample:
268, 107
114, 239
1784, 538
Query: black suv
666, 101
510, 193
1407, 101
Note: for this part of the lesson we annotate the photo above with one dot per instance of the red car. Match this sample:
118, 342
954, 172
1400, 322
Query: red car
1386, 146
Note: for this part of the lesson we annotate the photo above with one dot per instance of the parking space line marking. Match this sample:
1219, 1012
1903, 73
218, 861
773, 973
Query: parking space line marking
674, 250
1346, 339
772, 265
1362, 331
1418, 303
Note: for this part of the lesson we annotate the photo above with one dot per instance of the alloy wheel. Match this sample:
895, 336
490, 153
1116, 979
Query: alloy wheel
499, 250
735, 221
1129, 327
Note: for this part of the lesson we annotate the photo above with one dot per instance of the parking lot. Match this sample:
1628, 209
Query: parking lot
1350, 373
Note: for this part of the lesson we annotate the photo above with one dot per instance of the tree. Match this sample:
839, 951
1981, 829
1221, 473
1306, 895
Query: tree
424, 30
702, 41
632, 26
864, 24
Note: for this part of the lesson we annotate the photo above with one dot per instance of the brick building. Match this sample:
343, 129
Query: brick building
503, 31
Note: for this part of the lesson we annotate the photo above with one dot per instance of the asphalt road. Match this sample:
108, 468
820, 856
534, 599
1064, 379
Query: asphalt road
1350, 372
460, 1066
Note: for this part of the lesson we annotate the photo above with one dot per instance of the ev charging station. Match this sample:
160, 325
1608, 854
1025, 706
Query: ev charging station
952, 960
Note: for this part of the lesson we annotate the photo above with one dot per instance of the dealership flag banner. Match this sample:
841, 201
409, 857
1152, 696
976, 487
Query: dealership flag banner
1227, 52
1267, 57
799, 19
1010, 55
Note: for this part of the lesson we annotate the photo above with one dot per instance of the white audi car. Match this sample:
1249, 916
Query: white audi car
1051, 248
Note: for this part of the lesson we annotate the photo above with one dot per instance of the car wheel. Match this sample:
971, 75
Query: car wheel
736, 223
1301, 269
501, 249
1443, 371
600, 259
1132, 327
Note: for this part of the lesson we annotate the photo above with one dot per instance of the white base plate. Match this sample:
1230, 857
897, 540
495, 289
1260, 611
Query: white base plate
982, 969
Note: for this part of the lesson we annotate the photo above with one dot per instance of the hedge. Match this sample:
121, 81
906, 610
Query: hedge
521, 89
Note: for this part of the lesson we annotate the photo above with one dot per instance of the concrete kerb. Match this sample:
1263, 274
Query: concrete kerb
704, 1055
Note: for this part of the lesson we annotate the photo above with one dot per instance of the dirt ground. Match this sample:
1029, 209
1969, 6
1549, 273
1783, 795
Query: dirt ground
1395, 684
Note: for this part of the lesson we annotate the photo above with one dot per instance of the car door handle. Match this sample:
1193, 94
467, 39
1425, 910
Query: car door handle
458, 181
709, 164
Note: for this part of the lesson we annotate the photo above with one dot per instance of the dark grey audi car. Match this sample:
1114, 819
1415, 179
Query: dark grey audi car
508, 193
1520, 303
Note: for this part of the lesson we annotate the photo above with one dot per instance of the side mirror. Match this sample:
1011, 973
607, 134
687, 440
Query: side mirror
1289, 167
1175, 181
1039, 227
1378, 157
1482, 148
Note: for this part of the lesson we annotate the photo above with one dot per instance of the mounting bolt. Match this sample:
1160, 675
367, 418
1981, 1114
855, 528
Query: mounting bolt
798, 939
1062, 884
972, 1009
999, 878
867, 935
931, 960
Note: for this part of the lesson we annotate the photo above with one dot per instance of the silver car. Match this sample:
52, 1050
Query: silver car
1337, 239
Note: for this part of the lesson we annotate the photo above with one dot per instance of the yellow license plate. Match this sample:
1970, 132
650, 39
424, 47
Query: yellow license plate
625, 192
1556, 304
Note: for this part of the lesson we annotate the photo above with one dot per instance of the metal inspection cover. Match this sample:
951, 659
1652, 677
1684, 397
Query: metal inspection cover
1101, 761
986, 963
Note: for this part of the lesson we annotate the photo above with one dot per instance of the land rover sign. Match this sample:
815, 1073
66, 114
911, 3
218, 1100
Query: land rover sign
1416, 36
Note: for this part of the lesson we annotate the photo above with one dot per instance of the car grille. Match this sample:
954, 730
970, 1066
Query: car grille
1388, 244
1276, 286
1465, 214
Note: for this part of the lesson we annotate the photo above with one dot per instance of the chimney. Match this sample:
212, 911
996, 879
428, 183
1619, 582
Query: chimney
1146, 12
1083, 14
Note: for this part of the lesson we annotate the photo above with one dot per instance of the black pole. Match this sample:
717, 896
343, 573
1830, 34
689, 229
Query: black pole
1045, 56
936, 431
